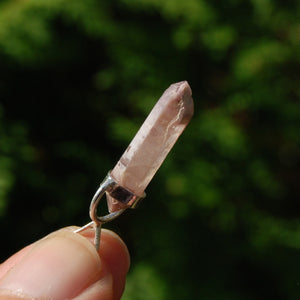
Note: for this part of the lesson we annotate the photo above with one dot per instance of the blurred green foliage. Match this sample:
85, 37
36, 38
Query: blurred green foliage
77, 78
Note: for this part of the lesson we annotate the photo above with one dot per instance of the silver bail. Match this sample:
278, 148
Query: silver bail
119, 193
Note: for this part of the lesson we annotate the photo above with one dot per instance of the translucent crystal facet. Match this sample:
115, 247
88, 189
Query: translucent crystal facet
153, 141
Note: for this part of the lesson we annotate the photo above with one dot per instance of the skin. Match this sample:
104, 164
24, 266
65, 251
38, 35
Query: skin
66, 265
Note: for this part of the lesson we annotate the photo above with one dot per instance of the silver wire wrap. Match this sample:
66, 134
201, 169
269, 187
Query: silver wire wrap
110, 186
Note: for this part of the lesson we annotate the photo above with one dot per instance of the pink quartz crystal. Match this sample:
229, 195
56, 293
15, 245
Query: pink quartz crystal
153, 141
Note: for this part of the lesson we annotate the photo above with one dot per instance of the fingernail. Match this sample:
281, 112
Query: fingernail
60, 266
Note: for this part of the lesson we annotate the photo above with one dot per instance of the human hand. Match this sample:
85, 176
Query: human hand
66, 265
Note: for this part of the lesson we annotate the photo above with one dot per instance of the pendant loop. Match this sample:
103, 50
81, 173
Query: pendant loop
107, 183
118, 192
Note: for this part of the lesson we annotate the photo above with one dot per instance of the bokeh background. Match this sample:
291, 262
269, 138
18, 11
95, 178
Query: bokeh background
78, 77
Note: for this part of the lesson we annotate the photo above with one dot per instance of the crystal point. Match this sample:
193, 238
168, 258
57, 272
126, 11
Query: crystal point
153, 141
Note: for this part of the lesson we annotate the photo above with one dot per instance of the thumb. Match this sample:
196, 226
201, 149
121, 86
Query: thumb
66, 265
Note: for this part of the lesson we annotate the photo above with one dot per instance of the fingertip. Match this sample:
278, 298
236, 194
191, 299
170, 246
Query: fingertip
109, 239
113, 248
116, 256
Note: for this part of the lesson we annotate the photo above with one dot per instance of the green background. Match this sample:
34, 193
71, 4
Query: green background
78, 77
